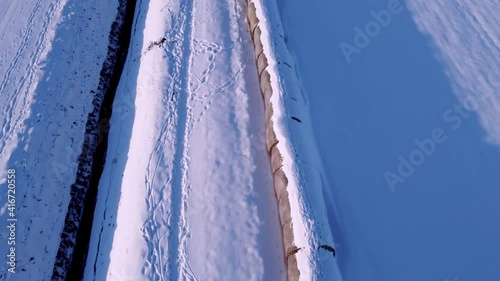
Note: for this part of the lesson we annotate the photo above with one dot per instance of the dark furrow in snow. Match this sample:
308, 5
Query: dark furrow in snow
73, 248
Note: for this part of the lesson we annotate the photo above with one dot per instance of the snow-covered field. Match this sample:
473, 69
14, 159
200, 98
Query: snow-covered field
51, 53
399, 111
187, 189
187, 192
425, 72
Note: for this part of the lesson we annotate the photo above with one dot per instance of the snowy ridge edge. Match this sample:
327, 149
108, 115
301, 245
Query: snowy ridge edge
295, 162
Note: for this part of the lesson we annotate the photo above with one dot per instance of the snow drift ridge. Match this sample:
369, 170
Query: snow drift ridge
295, 162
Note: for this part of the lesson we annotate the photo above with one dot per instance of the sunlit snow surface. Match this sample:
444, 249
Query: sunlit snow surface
186, 192
51, 53
467, 40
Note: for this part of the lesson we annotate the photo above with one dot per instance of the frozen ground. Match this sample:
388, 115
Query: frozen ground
408, 80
